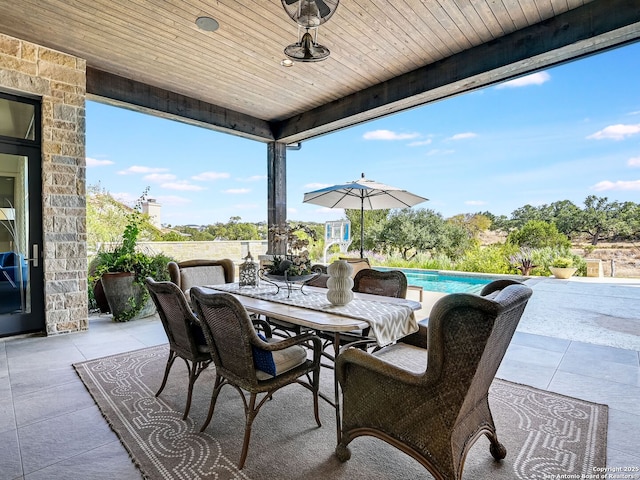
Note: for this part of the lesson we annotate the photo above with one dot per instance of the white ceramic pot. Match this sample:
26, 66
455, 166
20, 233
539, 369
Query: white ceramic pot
563, 273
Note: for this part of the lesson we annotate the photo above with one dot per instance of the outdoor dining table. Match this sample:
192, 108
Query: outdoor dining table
389, 318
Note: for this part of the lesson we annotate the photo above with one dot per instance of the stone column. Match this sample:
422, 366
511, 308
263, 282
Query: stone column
60, 81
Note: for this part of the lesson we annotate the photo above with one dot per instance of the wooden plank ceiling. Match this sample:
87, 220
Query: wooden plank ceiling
386, 55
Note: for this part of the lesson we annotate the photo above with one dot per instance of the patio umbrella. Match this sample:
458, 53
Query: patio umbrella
363, 194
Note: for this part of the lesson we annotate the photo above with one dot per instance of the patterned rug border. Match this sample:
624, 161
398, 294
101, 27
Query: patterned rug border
226, 468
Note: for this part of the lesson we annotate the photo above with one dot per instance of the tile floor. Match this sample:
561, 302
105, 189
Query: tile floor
51, 429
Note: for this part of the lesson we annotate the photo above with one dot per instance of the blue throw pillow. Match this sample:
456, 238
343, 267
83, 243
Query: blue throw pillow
263, 359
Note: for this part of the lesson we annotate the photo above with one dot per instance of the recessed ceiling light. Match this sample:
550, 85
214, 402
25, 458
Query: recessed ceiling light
285, 62
207, 24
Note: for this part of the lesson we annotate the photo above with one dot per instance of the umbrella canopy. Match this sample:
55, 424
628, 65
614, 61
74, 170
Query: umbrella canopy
363, 194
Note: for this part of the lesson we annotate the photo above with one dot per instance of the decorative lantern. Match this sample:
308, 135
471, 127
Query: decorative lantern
248, 272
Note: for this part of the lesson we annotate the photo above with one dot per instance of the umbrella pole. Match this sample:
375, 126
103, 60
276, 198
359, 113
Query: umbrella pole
362, 229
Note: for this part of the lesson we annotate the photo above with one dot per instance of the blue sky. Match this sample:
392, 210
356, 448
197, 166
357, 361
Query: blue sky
560, 134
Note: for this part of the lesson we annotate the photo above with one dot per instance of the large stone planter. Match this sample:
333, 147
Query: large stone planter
563, 273
127, 300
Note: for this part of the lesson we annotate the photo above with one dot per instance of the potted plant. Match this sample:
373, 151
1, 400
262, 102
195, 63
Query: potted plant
122, 268
295, 265
562, 267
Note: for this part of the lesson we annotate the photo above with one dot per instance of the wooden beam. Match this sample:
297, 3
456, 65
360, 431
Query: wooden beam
123, 92
276, 194
594, 27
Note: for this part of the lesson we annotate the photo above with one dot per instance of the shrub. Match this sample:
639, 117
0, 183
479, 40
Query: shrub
489, 259
562, 262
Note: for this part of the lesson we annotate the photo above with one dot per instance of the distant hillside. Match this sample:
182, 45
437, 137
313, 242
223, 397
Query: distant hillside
106, 220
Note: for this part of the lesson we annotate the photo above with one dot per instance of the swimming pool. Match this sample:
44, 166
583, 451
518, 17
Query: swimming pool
436, 281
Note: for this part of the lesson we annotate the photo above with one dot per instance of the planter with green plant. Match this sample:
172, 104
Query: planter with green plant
562, 267
122, 268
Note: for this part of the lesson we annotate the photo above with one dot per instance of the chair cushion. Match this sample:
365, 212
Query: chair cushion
407, 357
203, 275
283, 360
263, 359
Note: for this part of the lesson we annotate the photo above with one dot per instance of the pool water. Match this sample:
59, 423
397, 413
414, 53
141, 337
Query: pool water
439, 282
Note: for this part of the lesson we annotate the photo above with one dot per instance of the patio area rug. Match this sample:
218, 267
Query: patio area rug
546, 434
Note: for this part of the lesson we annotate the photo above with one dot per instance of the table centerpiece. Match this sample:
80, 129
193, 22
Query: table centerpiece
294, 268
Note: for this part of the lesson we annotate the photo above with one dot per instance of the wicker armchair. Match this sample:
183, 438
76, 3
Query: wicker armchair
433, 404
248, 363
186, 339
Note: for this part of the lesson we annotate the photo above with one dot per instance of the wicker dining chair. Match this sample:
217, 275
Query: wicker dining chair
185, 336
247, 362
433, 403
200, 272
391, 283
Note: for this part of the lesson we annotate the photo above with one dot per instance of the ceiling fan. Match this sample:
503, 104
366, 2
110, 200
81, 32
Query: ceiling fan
309, 15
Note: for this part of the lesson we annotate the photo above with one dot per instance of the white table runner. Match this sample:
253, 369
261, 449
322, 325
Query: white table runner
388, 321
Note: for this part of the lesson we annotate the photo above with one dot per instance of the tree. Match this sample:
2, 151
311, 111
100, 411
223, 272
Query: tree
411, 231
565, 214
538, 234
520, 216
598, 217
373, 221
628, 227
499, 223
473, 223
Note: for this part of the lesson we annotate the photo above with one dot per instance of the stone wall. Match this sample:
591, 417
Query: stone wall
60, 81
233, 250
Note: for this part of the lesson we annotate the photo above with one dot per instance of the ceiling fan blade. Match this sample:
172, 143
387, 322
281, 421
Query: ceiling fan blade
323, 8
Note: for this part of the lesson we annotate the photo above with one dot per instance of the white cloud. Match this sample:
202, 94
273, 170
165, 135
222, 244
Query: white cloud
420, 143
136, 169
619, 185
94, 162
463, 136
388, 135
439, 152
237, 191
616, 132
182, 185
533, 79
634, 162
253, 178
209, 176
160, 177
475, 202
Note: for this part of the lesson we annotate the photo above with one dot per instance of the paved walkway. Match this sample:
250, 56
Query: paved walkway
600, 311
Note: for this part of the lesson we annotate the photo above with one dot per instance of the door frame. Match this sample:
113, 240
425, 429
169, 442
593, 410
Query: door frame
34, 320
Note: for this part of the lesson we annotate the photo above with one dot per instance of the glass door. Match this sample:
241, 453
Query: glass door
21, 273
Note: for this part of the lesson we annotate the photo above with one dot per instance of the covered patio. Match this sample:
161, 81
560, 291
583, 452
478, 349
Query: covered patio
386, 57
229, 76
